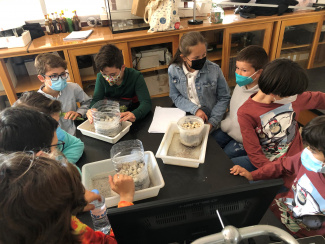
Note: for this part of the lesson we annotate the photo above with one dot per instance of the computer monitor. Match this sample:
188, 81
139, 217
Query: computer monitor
189, 218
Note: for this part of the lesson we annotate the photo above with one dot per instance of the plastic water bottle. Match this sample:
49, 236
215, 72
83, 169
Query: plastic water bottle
99, 216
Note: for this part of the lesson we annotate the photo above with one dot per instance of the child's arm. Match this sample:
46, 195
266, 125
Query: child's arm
223, 100
99, 92
83, 99
73, 148
310, 100
178, 99
141, 90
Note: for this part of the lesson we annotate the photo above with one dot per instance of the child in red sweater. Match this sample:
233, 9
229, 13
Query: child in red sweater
302, 209
268, 119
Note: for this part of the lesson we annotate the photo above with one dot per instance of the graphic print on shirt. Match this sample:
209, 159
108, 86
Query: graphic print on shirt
277, 131
306, 210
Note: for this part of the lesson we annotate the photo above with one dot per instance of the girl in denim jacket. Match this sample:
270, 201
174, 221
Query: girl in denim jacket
197, 85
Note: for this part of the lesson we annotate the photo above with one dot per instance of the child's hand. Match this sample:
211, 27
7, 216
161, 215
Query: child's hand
237, 170
90, 115
89, 197
127, 116
211, 126
201, 114
123, 185
72, 115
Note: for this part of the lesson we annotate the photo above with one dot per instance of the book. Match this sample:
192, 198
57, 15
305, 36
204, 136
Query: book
78, 35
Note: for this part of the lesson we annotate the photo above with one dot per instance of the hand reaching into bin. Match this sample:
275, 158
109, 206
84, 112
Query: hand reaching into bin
123, 185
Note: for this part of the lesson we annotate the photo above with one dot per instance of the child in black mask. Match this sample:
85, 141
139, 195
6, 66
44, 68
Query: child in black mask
197, 85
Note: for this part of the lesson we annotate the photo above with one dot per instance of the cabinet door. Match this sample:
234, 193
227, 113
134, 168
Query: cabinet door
214, 40
151, 57
237, 38
88, 72
319, 60
297, 40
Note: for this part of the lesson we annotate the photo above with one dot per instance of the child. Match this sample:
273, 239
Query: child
51, 70
40, 198
197, 85
302, 209
268, 118
249, 65
73, 147
115, 81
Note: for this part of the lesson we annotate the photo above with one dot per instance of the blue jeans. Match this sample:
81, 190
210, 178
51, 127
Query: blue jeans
231, 147
244, 162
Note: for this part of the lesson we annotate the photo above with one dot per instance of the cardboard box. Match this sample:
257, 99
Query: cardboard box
30, 66
11, 74
138, 7
12, 41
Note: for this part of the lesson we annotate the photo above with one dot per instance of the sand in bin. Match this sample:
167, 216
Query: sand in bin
100, 182
177, 149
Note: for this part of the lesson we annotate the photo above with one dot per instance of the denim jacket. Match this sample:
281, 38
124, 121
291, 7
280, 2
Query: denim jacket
211, 87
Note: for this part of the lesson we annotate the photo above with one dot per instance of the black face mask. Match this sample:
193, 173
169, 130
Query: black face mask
198, 64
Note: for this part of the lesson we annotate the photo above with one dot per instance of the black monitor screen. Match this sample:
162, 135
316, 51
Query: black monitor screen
187, 219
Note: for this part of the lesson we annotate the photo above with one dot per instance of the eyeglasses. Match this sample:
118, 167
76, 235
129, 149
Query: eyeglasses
59, 145
55, 77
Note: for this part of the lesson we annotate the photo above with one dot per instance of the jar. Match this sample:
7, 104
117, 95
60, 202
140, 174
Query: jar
106, 117
190, 130
128, 159
217, 14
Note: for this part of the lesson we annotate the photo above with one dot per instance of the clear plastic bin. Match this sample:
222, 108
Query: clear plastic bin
128, 159
191, 130
106, 117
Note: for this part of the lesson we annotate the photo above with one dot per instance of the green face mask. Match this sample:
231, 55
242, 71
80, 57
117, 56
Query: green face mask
244, 80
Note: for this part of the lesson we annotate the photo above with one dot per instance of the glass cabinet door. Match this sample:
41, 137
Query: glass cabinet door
151, 58
296, 40
214, 45
235, 40
319, 60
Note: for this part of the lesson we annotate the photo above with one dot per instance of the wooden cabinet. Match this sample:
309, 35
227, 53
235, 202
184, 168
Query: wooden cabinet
298, 39
276, 34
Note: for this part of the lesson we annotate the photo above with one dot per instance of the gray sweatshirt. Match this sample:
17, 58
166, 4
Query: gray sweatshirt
230, 124
69, 97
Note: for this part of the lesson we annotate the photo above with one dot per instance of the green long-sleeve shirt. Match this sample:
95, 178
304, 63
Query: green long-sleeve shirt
133, 84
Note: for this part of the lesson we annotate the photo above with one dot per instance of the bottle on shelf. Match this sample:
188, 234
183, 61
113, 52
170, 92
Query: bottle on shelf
56, 30
99, 216
64, 30
48, 28
66, 25
76, 21
58, 23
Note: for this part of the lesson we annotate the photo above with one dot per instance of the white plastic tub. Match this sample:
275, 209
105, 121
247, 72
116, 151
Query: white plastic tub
88, 129
105, 167
187, 162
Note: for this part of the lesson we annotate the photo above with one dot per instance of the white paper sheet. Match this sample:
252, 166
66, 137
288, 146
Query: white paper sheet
162, 118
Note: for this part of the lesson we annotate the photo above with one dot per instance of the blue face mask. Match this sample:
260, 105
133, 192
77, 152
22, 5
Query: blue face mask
310, 162
244, 80
60, 134
59, 85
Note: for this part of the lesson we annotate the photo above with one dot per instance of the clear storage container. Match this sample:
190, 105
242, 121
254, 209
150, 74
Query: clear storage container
191, 130
128, 159
106, 117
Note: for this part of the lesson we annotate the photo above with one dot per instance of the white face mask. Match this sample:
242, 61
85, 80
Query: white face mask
286, 100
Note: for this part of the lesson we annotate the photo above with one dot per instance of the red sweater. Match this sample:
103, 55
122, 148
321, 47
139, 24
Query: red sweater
270, 131
302, 208
88, 235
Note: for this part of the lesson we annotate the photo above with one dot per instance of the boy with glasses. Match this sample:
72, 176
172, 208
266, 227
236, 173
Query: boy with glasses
52, 72
117, 82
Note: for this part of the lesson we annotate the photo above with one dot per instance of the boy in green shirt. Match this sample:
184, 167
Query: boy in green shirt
115, 81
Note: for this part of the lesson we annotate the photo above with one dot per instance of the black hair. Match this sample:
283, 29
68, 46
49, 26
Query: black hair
283, 77
313, 134
109, 56
254, 55
188, 40
39, 102
25, 129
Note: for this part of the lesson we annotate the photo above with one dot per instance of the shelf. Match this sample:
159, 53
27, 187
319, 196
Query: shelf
154, 68
286, 46
161, 95
27, 83
88, 77
318, 64
215, 55
321, 43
